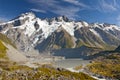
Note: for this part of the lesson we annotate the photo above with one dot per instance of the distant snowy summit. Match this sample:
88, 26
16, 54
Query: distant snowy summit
30, 32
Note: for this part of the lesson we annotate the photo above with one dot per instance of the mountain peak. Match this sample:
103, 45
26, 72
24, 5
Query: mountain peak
64, 18
27, 15
60, 19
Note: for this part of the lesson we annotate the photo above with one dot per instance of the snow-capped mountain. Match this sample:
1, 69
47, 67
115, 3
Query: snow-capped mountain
28, 31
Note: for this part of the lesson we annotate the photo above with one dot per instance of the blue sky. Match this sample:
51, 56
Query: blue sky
101, 11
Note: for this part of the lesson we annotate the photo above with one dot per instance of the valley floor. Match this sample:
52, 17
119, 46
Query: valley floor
71, 64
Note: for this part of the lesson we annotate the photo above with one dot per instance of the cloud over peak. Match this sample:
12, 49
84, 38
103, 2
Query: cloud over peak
38, 10
56, 7
77, 3
107, 5
74, 9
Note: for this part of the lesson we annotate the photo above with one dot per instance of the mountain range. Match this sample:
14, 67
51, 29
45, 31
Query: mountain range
60, 35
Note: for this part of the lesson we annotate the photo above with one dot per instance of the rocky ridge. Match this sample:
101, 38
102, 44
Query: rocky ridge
30, 32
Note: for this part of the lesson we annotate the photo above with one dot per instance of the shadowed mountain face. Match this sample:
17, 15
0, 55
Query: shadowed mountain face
57, 40
83, 52
57, 34
118, 49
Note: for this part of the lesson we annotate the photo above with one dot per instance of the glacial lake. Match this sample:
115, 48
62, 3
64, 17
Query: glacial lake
71, 63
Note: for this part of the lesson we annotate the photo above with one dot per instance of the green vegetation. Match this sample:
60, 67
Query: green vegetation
80, 43
12, 66
78, 67
107, 66
64, 73
2, 50
13, 71
6, 40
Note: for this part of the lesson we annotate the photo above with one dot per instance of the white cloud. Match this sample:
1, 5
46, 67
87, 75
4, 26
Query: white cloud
56, 7
38, 10
115, 2
107, 6
45, 3
77, 3
74, 7
118, 20
70, 12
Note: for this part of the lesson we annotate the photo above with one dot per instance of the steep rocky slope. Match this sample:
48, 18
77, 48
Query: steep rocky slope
8, 50
57, 40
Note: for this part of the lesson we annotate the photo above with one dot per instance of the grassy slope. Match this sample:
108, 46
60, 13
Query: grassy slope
6, 40
2, 50
108, 66
42, 73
